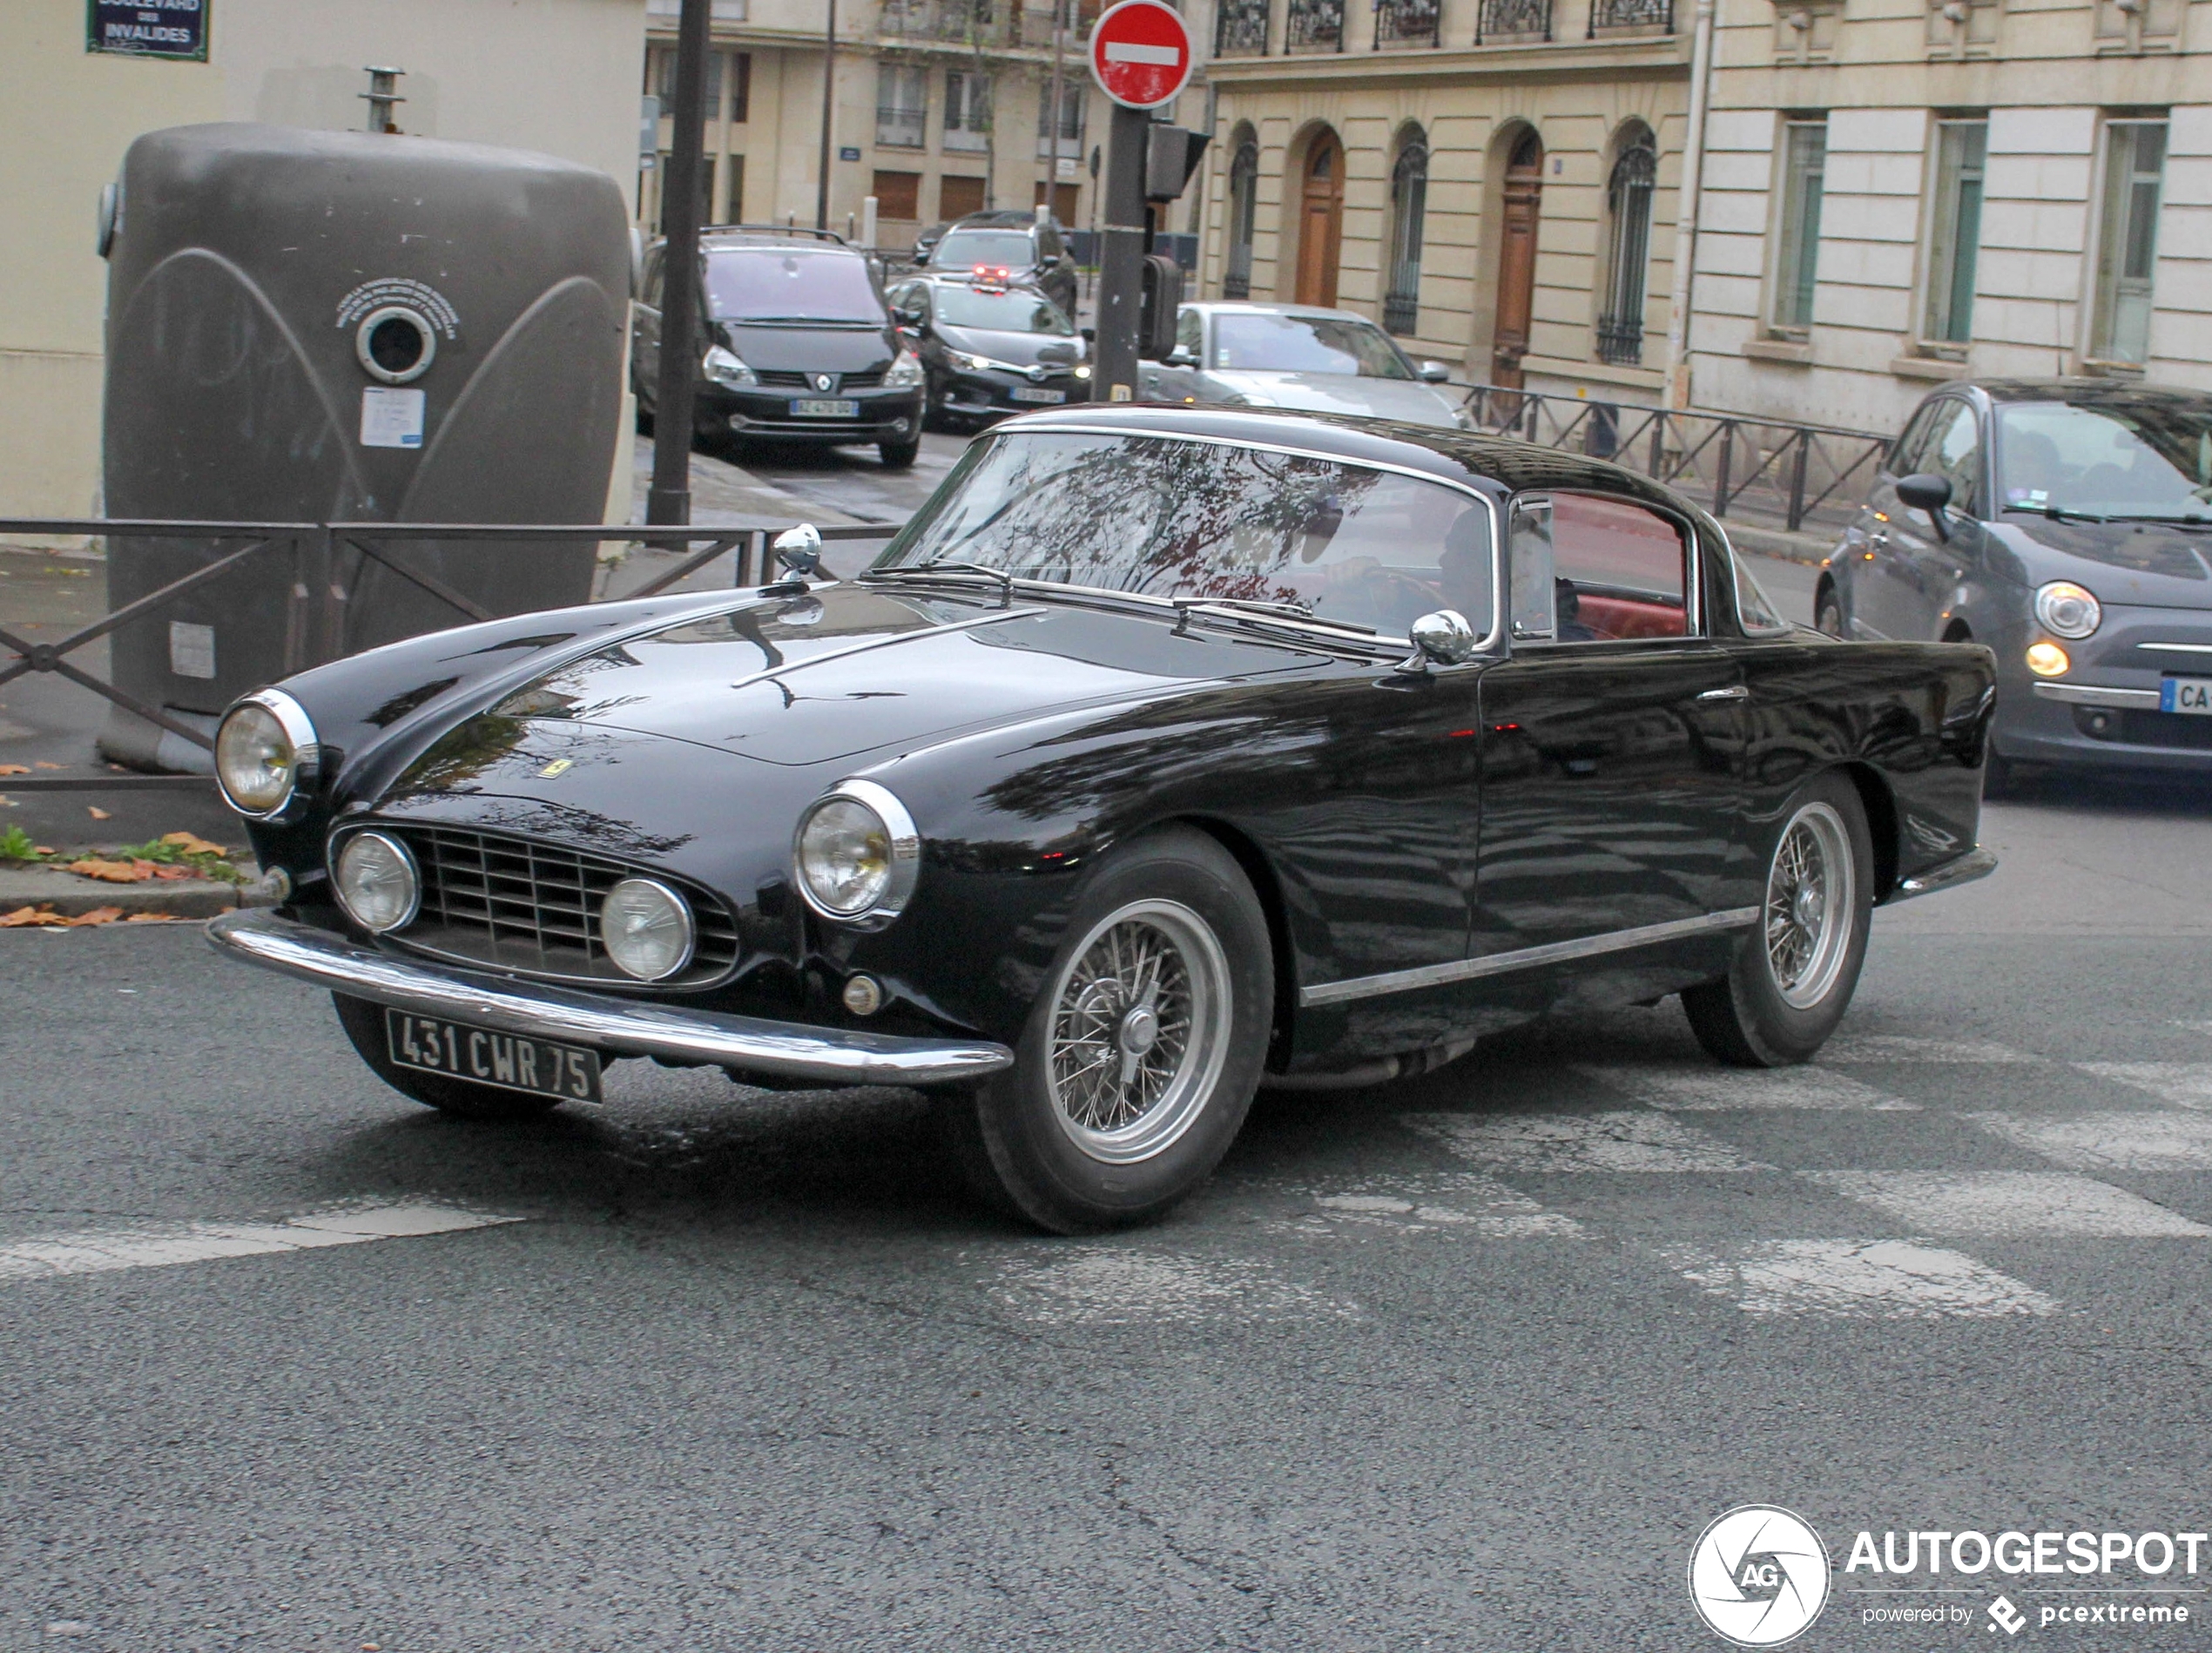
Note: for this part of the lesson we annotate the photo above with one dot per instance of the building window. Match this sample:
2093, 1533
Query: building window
967, 110
732, 68
2128, 240
1243, 207
1409, 205
1804, 158
901, 105
1240, 28
1954, 231
898, 195
1070, 134
1628, 199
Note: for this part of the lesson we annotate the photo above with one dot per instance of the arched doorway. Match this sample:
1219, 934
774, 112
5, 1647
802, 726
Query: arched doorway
1519, 210
1321, 220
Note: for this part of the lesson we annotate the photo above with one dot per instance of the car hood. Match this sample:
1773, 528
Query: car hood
2140, 564
1341, 393
1020, 348
811, 349
830, 675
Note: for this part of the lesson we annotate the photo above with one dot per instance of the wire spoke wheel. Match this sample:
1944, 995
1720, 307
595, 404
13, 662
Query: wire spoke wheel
1812, 901
1141, 1024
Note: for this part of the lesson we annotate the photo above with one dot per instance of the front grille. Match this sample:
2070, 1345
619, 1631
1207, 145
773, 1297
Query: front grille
783, 378
489, 898
2169, 729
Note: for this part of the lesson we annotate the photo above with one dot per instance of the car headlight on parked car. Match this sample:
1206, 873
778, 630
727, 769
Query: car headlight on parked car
2048, 660
2067, 609
376, 882
722, 366
858, 855
265, 753
1083, 370
646, 928
904, 371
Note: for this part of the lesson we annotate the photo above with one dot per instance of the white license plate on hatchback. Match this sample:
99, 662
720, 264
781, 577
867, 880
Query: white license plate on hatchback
1023, 393
2190, 695
824, 408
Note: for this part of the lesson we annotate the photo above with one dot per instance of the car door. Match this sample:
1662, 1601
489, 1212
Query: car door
1925, 566
645, 328
1612, 777
1177, 378
1882, 601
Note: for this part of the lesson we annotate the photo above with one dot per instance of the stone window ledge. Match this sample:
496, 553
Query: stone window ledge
1785, 350
1927, 368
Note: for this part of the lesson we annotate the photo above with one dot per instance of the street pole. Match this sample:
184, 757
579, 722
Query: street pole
1059, 93
1120, 264
829, 92
669, 499
1674, 382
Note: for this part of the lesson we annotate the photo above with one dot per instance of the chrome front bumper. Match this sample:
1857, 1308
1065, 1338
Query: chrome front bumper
750, 1044
1959, 869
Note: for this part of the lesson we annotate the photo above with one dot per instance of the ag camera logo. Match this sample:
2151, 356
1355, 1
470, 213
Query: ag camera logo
1758, 1576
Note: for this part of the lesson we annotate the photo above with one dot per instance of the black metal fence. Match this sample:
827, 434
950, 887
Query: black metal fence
1762, 471
318, 567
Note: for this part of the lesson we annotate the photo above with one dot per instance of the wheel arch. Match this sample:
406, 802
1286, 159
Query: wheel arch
1248, 855
1880, 804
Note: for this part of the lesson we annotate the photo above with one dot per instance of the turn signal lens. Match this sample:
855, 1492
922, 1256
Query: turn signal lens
647, 928
2067, 609
2048, 660
376, 882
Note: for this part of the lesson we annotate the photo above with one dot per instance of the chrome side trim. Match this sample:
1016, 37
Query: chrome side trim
2081, 694
1526, 958
790, 1050
1959, 869
2177, 648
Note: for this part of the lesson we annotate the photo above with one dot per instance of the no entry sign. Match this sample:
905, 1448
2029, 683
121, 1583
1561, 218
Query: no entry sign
1140, 53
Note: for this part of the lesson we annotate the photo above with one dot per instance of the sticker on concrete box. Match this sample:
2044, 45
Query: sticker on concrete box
191, 650
391, 418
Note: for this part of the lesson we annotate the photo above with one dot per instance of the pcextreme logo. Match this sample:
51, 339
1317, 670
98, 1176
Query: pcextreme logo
1758, 1576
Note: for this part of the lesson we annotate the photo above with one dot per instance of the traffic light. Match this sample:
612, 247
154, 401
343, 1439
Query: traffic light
1170, 156
1156, 316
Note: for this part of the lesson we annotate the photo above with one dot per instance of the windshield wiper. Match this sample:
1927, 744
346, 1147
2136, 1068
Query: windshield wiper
800, 322
1289, 605
2168, 521
998, 576
2060, 513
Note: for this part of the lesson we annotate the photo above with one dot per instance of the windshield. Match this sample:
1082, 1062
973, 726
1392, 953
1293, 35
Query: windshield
802, 285
998, 248
1175, 517
1001, 312
1261, 343
2140, 459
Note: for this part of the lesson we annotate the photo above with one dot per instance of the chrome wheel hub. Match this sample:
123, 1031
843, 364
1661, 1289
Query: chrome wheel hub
1811, 896
1141, 1020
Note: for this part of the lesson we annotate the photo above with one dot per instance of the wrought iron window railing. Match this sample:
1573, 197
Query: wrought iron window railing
1401, 305
1408, 23
1513, 20
902, 128
1620, 340
1632, 14
1315, 25
1240, 28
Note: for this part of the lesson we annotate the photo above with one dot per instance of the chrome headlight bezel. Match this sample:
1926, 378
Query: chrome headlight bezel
683, 910
903, 858
2054, 598
305, 765
339, 890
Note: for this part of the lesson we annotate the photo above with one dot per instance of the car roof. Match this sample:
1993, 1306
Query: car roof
1236, 306
730, 237
1504, 463
998, 218
2086, 391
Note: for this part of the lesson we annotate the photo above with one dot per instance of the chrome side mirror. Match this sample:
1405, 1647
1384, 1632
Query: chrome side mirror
799, 549
1434, 373
1442, 638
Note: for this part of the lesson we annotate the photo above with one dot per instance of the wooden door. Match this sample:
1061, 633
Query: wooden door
1517, 259
1321, 222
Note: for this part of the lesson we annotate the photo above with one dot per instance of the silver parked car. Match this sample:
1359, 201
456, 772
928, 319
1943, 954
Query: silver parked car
1297, 355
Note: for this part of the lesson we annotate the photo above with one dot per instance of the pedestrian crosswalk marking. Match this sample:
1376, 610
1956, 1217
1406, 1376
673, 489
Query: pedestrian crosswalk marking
2186, 1084
2139, 1139
1466, 1203
2009, 1203
1636, 1140
1882, 1047
1110, 1285
1702, 1087
1857, 1279
157, 1246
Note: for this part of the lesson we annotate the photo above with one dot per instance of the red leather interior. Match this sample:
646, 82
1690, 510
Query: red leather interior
1622, 617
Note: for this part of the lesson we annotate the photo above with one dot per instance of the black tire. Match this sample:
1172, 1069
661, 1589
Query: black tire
1018, 1139
1774, 1008
1828, 613
364, 1024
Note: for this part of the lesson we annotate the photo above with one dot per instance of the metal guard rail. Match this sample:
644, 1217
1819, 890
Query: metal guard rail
318, 592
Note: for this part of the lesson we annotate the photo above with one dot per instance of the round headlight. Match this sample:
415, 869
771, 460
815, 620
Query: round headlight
265, 748
647, 928
376, 882
857, 853
2067, 609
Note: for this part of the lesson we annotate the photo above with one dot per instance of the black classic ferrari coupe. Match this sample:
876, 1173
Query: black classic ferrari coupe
1163, 755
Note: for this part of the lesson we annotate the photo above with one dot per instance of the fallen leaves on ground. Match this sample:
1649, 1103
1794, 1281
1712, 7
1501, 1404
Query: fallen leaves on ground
42, 764
15, 769
152, 918
46, 918
98, 813
192, 844
113, 872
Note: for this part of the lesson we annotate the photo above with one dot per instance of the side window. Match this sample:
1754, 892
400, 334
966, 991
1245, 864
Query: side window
651, 298
1904, 458
1188, 327
1613, 571
1954, 453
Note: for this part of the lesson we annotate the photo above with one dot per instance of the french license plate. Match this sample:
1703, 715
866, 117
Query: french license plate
2189, 695
1023, 393
509, 1061
824, 408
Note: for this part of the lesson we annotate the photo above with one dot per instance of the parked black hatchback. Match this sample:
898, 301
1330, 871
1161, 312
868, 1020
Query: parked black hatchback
1025, 249
797, 344
989, 347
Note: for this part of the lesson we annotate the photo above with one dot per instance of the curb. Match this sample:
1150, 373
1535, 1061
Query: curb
1812, 550
71, 896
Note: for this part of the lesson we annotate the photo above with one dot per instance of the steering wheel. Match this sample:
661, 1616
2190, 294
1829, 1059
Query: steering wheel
1387, 599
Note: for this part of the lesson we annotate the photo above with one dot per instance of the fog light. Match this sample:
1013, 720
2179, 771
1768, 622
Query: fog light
376, 882
2099, 723
863, 996
738, 421
647, 929
899, 426
2048, 660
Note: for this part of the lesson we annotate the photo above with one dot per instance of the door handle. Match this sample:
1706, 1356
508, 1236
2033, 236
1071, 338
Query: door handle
1734, 692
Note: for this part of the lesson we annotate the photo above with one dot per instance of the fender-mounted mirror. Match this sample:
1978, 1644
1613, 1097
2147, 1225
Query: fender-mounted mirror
799, 549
